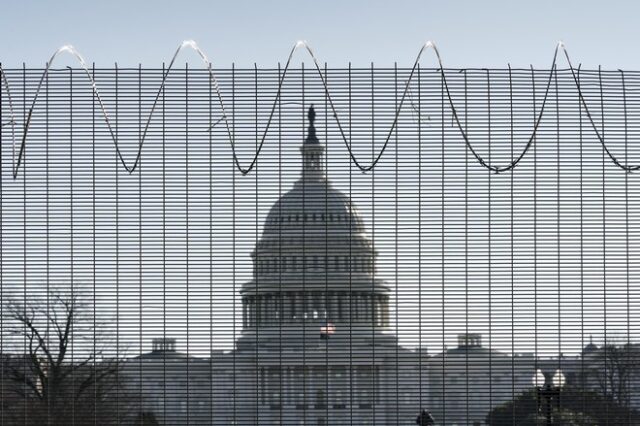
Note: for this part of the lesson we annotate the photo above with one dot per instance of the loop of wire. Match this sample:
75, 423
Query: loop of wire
17, 160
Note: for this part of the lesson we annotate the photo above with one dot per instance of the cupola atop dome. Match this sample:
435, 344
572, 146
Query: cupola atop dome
312, 152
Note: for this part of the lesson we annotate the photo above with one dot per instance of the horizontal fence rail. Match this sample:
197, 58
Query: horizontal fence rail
316, 245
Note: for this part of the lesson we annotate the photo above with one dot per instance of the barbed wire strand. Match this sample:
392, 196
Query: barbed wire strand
16, 162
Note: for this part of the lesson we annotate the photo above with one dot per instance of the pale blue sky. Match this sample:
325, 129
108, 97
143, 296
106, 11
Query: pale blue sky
469, 33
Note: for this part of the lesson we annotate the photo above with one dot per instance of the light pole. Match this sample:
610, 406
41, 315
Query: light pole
550, 390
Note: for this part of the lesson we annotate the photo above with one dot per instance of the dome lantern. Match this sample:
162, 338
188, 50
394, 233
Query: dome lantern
312, 152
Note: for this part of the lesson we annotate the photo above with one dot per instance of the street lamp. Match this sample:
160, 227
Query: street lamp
553, 382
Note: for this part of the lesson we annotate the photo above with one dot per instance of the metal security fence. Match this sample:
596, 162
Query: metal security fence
317, 245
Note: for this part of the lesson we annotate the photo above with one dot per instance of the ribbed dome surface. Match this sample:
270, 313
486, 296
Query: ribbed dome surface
312, 207
313, 227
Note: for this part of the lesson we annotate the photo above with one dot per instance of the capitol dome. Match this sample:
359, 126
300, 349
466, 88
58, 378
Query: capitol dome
313, 251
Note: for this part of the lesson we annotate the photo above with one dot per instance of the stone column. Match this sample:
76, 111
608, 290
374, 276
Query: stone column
310, 305
311, 386
295, 305
355, 391
371, 308
331, 306
285, 386
302, 304
266, 311
346, 306
355, 308
322, 306
261, 384
269, 308
244, 312
385, 309
285, 307
363, 307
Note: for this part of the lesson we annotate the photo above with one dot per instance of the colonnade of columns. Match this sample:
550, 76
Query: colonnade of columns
287, 307
313, 388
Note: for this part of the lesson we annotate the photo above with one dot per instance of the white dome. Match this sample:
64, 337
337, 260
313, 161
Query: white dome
312, 232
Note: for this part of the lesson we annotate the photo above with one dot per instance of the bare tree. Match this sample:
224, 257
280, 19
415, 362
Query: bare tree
64, 373
614, 367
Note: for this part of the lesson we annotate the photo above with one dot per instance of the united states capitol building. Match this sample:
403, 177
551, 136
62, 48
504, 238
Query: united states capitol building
316, 346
